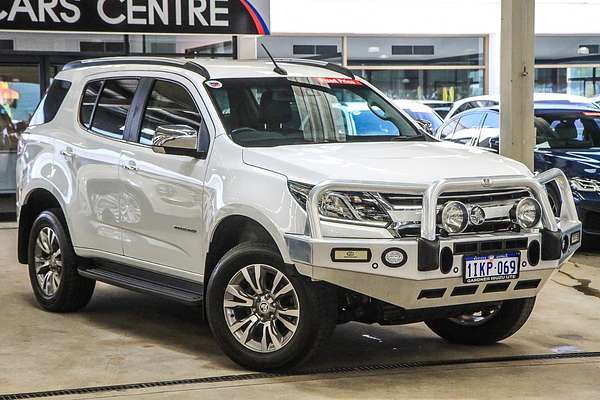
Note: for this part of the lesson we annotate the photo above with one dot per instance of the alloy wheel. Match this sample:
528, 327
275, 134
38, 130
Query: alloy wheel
48, 262
261, 308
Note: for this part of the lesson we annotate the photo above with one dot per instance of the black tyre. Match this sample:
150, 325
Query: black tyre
491, 325
53, 268
264, 315
555, 200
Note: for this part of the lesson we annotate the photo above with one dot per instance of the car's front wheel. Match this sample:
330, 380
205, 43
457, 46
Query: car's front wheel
264, 315
491, 324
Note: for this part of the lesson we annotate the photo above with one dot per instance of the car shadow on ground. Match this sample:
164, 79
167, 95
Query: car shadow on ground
152, 322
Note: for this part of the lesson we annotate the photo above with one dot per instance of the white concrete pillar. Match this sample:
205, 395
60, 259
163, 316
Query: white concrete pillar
246, 48
517, 76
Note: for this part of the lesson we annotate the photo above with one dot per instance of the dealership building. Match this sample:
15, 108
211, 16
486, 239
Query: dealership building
409, 50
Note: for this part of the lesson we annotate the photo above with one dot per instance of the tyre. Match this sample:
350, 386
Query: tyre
263, 314
490, 325
555, 200
53, 268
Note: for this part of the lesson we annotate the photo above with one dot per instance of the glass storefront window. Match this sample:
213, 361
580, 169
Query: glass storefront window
567, 50
368, 50
580, 81
447, 85
211, 45
19, 97
312, 47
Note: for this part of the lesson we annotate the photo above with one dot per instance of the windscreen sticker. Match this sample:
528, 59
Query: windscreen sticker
341, 81
214, 84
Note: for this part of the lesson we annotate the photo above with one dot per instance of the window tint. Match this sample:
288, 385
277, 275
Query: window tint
90, 95
568, 130
51, 103
113, 106
448, 129
492, 120
490, 132
169, 104
467, 128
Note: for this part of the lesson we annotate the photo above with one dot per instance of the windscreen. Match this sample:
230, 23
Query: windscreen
567, 129
265, 112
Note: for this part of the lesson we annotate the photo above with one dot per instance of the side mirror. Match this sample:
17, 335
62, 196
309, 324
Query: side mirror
427, 125
179, 140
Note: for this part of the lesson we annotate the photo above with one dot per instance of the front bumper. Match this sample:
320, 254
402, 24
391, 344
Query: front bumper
420, 282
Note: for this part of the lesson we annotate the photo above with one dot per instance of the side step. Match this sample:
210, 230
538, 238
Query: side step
144, 281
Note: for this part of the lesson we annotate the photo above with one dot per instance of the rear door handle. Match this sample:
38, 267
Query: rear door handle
67, 153
130, 165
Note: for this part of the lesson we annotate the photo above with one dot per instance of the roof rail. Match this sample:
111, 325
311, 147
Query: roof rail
187, 65
316, 63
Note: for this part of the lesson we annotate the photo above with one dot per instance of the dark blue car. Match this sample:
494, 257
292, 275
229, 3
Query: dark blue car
567, 137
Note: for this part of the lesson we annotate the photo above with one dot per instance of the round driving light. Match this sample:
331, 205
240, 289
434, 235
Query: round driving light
477, 216
455, 217
528, 212
394, 257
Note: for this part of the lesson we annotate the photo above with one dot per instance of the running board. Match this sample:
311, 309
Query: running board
145, 281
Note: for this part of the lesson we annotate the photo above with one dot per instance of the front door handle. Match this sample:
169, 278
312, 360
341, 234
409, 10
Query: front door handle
130, 165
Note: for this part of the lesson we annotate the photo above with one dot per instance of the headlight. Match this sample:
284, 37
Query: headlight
528, 212
350, 207
585, 185
455, 217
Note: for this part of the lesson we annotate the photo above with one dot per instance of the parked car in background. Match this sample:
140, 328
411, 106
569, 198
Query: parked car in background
494, 99
421, 113
596, 100
439, 106
567, 137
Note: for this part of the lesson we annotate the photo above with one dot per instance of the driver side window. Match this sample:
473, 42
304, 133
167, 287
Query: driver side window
169, 104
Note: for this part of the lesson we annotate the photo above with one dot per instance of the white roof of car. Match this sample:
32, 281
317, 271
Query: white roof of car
537, 97
216, 68
411, 105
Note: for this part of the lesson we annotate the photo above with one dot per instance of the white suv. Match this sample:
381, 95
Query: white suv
261, 195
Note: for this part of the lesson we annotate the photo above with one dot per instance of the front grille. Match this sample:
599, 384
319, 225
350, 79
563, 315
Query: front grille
411, 204
482, 197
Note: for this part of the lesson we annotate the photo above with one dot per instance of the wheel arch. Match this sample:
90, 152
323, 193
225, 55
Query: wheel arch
232, 230
36, 201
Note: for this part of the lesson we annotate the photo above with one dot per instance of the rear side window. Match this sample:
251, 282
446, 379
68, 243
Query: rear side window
113, 106
50, 104
448, 129
90, 96
467, 128
169, 104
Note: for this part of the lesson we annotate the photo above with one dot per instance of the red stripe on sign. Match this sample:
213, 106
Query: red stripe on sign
254, 17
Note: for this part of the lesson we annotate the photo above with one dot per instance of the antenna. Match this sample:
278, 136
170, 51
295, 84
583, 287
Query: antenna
277, 69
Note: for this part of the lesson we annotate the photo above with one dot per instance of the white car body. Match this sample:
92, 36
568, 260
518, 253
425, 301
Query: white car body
125, 203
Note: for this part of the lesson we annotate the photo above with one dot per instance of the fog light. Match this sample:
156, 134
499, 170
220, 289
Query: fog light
455, 217
394, 257
575, 237
528, 213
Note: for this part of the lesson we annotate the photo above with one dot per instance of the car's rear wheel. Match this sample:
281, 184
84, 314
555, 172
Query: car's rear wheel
264, 315
489, 325
53, 268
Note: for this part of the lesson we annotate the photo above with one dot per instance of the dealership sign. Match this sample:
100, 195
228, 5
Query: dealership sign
137, 16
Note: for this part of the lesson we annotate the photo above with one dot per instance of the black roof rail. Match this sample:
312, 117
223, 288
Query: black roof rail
187, 65
321, 64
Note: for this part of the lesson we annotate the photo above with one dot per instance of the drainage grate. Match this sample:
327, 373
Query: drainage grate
322, 371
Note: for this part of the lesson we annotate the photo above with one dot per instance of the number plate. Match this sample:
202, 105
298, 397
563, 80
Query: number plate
496, 267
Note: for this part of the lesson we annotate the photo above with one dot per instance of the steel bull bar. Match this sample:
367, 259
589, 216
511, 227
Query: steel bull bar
557, 233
